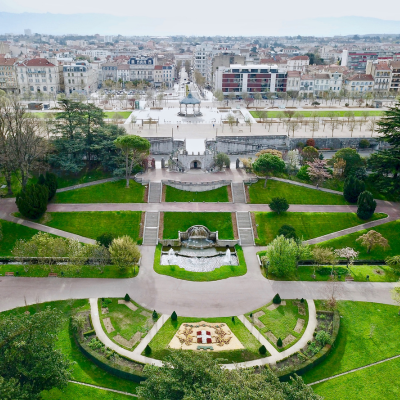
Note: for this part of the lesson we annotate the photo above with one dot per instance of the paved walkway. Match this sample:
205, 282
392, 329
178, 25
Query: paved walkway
103, 388
82, 185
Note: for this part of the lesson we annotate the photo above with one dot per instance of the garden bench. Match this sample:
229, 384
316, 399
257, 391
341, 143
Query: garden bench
349, 278
52, 274
205, 348
9, 274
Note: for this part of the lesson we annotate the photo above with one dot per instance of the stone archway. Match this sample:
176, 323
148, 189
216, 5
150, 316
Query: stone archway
195, 164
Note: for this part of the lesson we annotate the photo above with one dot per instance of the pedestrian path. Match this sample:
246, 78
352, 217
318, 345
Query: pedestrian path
245, 228
238, 193
82, 185
150, 232
155, 192
103, 388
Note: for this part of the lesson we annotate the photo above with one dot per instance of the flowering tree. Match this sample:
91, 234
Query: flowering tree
373, 239
348, 253
318, 171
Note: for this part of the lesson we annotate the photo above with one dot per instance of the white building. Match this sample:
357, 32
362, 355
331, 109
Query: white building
80, 77
360, 83
39, 75
203, 61
298, 63
142, 68
95, 53
293, 81
123, 72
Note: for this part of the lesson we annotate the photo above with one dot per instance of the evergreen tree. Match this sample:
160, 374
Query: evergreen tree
288, 231
279, 204
50, 181
174, 317
279, 343
366, 205
277, 299
32, 201
352, 188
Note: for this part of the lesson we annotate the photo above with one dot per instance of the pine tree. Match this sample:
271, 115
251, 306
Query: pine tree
366, 205
32, 201
127, 297
174, 317
352, 188
277, 299
279, 342
262, 350
147, 350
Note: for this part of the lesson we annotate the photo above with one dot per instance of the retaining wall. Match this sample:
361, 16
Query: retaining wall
196, 187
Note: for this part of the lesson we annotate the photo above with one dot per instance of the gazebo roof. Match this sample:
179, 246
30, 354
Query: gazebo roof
190, 100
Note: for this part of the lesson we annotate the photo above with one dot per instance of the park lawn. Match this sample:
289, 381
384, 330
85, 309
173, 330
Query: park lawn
83, 369
109, 192
281, 322
70, 271
84, 176
369, 332
92, 224
375, 382
124, 114
125, 321
163, 337
181, 221
11, 233
294, 194
74, 391
226, 271
215, 195
307, 225
320, 113
390, 231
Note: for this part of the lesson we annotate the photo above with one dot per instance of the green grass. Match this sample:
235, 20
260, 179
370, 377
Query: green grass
79, 392
83, 369
125, 321
226, 271
390, 230
124, 114
163, 337
292, 193
215, 195
369, 332
69, 271
86, 175
181, 221
110, 192
307, 225
376, 382
92, 224
357, 113
11, 233
281, 322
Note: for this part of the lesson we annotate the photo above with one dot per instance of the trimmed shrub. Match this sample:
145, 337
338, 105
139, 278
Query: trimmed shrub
364, 144
323, 338
155, 314
233, 319
32, 201
287, 231
303, 173
127, 297
174, 317
310, 142
352, 188
262, 350
147, 350
277, 299
279, 204
302, 300
366, 205
105, 239
279, 342
251, 315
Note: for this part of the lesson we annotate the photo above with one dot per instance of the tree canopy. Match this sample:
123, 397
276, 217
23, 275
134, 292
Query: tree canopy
268, 164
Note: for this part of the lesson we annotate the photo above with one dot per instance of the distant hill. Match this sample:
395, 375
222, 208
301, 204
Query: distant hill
89, 24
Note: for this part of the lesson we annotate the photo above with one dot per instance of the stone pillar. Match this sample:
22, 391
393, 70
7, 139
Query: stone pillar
153, 163
162, 163
237, 163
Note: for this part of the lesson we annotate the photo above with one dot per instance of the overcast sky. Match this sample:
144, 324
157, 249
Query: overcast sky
236, 10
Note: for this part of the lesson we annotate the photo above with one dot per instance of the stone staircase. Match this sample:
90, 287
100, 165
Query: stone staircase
150, 233
155, 190
238, 193
245, 228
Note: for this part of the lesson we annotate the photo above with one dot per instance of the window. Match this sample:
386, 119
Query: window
44, 88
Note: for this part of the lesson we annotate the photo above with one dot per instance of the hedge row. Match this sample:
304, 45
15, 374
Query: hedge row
107, 365
319, 357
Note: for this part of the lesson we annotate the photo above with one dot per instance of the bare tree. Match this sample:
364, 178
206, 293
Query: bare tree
371, 126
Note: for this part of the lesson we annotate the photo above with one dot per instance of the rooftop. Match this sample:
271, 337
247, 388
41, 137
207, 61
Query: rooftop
190, 99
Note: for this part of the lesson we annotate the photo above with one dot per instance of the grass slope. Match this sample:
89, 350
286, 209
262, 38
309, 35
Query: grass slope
110, 192
390, 230
376, 382
226, 271
124, 114
161, 340
181, 221
92, 224
11, 233
307, 225
83, 369
292, 193
215, 195
368, 333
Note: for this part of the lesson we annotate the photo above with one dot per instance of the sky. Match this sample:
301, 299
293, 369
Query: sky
235, 10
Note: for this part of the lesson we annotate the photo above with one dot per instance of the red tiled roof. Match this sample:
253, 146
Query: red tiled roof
37, 62
7, 61
158, 67
361, 77
300, 58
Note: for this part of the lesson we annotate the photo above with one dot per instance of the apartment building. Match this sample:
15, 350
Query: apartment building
360, 83
80, 77
123, 72
250, 78
8, 78
39, 75
203, 61
225, 60
142, 68
298, 63
307, 85
109, 71
293, 81
382, 74
395, 81
168, 75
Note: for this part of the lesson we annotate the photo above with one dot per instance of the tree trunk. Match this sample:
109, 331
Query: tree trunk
265, 182
9, 190
127, 170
